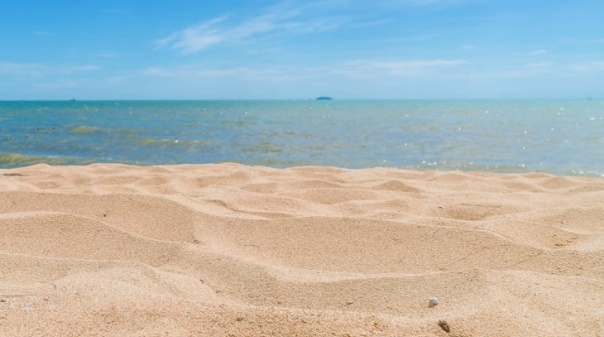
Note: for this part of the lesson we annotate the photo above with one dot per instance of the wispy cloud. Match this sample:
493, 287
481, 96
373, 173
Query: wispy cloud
538, 52
41, 79
358, 70
546, 70
106, 54
406, 68
196, 38
373, 23
585, 41
424, 3
43, 33
225, 29
200, 72
37, 69
588, 68
529, 70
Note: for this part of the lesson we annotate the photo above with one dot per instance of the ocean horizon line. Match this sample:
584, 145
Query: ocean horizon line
292, 99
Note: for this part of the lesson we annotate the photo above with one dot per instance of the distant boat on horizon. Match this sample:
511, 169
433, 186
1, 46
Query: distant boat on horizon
324, 98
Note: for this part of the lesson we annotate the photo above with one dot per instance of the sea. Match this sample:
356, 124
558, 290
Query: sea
562, 137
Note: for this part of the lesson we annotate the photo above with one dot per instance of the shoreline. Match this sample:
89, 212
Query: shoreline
477, 171
219, 249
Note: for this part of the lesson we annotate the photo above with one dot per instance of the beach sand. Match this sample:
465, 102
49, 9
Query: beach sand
234, 250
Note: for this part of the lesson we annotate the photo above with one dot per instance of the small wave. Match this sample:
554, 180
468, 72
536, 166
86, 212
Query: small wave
175, 142
84, 130
11, 160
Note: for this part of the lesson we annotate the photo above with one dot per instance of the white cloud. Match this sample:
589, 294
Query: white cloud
547, 69
372, 23
539, 52
521, 71
204, 73
221, 30
360, 69
37, 69
43, 33
585, 41
587, 68
196, 37
61, 83
372, 68
424, 3
108, 54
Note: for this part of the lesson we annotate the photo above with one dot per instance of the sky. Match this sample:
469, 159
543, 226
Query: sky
280, 49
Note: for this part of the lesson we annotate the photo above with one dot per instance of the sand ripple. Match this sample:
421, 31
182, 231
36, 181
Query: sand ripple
232, 250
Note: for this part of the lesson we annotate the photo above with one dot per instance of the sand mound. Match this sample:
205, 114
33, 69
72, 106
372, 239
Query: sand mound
232, 250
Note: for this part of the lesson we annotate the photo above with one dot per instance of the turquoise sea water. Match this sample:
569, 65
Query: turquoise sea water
560, 137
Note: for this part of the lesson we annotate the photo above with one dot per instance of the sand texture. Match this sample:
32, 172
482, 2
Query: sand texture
233, 250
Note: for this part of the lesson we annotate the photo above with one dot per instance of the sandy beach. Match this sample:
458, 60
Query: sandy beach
234, 250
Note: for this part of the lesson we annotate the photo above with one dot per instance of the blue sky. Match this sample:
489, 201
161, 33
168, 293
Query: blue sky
266, 49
